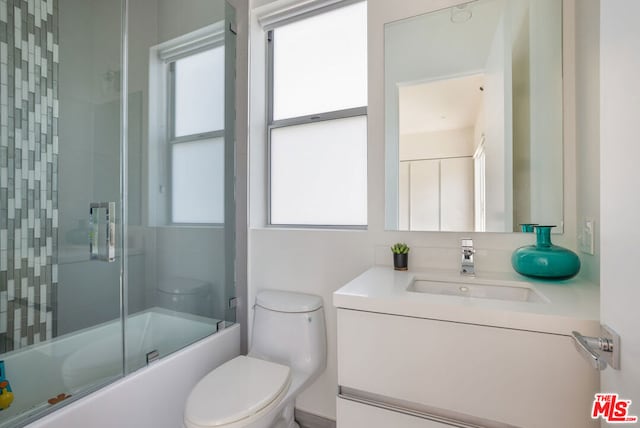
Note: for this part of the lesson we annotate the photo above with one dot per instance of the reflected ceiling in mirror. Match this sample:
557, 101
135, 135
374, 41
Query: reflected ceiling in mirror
473, 115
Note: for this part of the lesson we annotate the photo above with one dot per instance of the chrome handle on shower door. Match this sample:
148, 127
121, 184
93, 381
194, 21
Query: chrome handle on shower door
109, 253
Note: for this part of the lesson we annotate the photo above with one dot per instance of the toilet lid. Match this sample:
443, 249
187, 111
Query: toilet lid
236, 390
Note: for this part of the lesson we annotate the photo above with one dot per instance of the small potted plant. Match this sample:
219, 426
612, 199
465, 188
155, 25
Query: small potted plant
400, 256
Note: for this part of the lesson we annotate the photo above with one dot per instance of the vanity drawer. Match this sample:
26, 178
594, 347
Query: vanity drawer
522, 378
357, 415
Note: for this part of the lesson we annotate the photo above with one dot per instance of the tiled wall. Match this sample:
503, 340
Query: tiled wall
28, 171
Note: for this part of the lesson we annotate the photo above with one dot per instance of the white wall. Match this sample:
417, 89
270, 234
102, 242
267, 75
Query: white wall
321, 261
176, 18
619, 201
438, 144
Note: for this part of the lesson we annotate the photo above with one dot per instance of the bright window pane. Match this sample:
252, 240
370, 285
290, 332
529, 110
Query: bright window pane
320, 63
199, 93
198, 181
319, 173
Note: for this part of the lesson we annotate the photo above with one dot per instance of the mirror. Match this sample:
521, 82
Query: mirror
473, 117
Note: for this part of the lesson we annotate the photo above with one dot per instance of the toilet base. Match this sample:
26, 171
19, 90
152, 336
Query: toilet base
282, 424
286, 418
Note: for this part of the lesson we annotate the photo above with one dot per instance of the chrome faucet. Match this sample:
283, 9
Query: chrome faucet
467, 266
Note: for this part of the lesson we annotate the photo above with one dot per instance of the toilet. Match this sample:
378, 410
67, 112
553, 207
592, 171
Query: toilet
288, 352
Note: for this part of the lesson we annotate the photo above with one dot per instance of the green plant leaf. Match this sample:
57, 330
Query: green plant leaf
400, 248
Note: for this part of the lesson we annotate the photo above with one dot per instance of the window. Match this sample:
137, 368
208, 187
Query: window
317, 123
197, 137
186, 112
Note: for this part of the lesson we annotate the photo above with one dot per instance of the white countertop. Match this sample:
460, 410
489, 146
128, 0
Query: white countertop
571, 304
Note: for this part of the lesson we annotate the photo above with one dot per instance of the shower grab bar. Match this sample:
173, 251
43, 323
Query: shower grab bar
94, 229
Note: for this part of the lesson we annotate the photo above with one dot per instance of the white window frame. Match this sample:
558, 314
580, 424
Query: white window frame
161, 130
272, 22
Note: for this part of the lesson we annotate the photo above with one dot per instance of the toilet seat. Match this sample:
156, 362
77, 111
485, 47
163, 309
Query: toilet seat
243, 388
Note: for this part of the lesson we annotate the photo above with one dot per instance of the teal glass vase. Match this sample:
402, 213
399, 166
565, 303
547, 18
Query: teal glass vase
545, 260
527, 227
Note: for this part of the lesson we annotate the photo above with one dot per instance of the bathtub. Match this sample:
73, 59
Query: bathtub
79, 361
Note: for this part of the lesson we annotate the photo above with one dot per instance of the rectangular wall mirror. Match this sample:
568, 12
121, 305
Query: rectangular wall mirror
473, 117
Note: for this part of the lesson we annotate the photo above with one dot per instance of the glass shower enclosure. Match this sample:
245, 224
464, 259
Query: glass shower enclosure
117, 207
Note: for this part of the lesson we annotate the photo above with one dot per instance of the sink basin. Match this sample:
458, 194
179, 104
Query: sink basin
510, 292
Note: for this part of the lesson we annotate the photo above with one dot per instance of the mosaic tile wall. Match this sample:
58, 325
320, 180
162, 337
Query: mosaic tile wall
28, 171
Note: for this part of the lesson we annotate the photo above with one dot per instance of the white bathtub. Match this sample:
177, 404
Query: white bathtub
92, 357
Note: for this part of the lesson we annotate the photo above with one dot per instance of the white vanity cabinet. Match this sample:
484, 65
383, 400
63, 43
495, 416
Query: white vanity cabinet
430, 359
354, 414
400, 371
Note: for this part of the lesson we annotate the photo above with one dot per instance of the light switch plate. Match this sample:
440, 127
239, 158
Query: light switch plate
587, 241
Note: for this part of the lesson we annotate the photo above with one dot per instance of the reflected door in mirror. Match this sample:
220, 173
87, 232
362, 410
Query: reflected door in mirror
437, 194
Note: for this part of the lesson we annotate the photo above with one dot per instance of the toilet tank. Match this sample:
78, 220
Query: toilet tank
289, 328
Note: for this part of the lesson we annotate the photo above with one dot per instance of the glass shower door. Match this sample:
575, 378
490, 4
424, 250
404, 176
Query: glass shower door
181, 80
60, 206
80, 265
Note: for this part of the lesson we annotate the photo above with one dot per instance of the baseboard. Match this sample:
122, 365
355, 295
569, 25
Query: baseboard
309, 420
